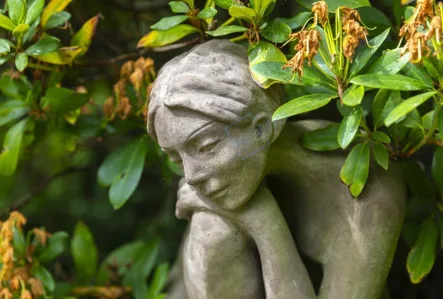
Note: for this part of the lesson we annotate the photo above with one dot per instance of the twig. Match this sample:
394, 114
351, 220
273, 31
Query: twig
22, 201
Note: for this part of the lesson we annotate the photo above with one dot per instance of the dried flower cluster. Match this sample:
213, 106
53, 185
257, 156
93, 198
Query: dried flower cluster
307, 47
320, 10
354, 31
423, 30
15, 278
140, 74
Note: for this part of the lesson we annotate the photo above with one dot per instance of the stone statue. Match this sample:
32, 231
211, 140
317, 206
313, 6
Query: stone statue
268, 218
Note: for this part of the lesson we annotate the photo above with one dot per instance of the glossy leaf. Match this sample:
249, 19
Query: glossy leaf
264, 52
365, 52
21, 61
4, 46
179, 7
158, 281
11, 148
381, 155
353, 95
6, 23
242, 12
303, 104
437, 170
34, 11
207, 13
20, 30
276, 32
169, 22
440, 122
427, 119
389, 81
44, 45
83, 38
381, 137
263, 7
297, 21
84, 251
62, 100
162, 38
54, 6
412, 120
19, 242
321, 140
17, 11
349, 127
57, 244
221, 31
422, 256
58, 19
379, 103
430, 68
12, 110
334, 4
62, 56
391, 62
13, 88
418, 73
406, 107
355, 171
225, 3
43, 275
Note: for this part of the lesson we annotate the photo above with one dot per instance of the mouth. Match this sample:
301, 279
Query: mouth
216, 193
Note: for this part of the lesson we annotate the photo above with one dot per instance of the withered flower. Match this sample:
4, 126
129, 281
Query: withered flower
350, 43
36, 287
25, 295
320, 10
307, 47
18, 219
354, 31
127, 69
149, 65
108, 107
14, 283
42, 235
349, 14
424, 9
120, 88
417, 46
137, 79
5, 293
124, 108
434, 29
140, 63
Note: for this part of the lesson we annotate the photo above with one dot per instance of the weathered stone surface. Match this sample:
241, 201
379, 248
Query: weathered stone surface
257, 201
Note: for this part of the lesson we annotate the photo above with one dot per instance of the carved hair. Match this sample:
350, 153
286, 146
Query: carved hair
213, 79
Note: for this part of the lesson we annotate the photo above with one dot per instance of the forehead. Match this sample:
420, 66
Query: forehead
174, 126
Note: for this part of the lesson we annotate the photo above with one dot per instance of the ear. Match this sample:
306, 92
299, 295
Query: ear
262, 124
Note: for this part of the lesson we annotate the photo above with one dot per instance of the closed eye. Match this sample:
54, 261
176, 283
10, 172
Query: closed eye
208, 147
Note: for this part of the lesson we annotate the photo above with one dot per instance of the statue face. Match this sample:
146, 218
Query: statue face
226, 163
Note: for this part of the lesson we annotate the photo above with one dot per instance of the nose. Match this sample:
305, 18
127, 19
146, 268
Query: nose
196, 174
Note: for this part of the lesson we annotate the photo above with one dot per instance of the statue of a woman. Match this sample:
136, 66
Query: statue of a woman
258, 202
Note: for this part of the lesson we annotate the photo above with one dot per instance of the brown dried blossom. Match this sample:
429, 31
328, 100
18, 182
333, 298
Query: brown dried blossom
120, 88
320, 10
435, 28
417, 46
137, 79
36, 287
424, 9
5, 294
14, 283
108, 107
126, 69
25, 295
124, 108
307, 47
354, 31
42, 235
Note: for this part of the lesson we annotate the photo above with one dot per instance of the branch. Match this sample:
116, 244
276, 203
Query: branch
35, 190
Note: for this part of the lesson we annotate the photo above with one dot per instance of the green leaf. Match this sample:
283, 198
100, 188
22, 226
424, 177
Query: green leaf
169, 22
381, 155
242, 12
427, 119
143, 265
13, 88
220, 31
355, 171
11, 148
407, 106
276, 32
380, 100
4, 46
264, 52
83, 38
34, 11
334, 4
19, 242
159, 281
6, 23
84, 251
57, 244
20, 30
418, 73
430, 68
17, 11
21, 61
58, 19
303, 104
437, 170
42, 274
53, 7
225, 3
12, 110
353, 95
63, 56
374, 19
297, 21
62, 100
391, 62
321, 140
207, 13
440, 123
126, 182
190, 3
422, 256
365, 53
263, 7
389, 81
157, 38
179, 7
349, 127
44, 45
381, 137
412, 120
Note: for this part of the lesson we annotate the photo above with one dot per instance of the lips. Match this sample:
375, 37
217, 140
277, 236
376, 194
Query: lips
216, 193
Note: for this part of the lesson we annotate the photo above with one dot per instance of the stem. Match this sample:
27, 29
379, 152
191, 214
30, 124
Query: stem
365, 126
430, 133
238, 38
345, 76
43, 67
228, 22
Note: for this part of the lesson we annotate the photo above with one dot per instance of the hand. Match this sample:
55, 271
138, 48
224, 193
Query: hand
189, 200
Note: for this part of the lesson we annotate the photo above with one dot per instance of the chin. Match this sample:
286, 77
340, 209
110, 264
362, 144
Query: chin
233, 200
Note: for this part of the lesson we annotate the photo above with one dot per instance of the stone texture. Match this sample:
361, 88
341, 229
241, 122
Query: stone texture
262, 209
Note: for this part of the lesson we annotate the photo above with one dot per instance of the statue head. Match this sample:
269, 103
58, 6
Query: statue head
211, 118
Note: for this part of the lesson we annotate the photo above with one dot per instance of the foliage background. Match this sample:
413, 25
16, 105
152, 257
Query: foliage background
56, 184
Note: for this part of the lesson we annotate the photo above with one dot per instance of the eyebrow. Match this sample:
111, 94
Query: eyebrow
192, 134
